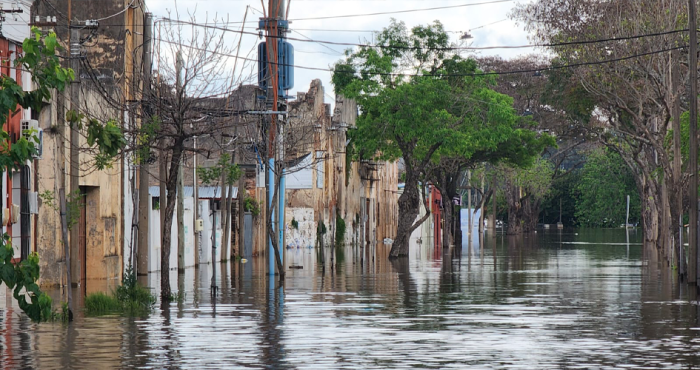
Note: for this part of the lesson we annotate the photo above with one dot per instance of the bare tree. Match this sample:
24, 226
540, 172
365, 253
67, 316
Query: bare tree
191, 98
633, 94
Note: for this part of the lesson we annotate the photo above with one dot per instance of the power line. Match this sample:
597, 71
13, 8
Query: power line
449, 48
324, 45
116, 14
550, 68
402, 11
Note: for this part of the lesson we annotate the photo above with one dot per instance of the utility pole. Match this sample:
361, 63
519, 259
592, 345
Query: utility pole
469, 202
275, 76
275, 13
75, 143
693, 98
492, 216
223, 200
61, 164
144, 206
226, 246
241, 210
195, 197
180, 185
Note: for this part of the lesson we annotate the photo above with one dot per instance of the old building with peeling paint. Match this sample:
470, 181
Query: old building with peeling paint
108, 81
324, 184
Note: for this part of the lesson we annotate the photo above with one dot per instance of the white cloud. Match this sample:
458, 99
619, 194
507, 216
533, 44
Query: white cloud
456, 21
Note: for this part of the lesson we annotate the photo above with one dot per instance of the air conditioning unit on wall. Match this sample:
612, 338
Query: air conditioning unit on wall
30, 128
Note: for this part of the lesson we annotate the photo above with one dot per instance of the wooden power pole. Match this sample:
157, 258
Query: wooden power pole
144, 204
693, 162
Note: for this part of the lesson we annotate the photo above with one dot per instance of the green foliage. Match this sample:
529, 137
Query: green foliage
339, 230
252, 206
563, 91
601, 194
321, 229
421, 102
176, 297
146, 136
230, 171
22, 278
108, 137
295, 224
129, 298
74, 202
535, 179
342, 76
101, 303
563, 190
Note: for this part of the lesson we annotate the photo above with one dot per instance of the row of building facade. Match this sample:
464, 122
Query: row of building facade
323, 184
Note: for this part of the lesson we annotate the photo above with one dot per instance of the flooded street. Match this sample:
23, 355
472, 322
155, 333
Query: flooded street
572, 299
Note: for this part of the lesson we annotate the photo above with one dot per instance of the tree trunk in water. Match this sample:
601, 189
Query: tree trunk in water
447, 219
515, 210
165, 292
531, 214
458, 227
165, 245
409, 205
650, 214
515, 221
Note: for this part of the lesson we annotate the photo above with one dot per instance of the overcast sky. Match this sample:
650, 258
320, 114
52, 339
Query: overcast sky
487, 23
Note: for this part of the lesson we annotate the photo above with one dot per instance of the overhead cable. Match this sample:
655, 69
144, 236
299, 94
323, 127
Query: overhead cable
550, 68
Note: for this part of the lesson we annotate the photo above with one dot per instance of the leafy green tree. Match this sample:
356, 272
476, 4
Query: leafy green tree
421, 102
561, 200
602, 191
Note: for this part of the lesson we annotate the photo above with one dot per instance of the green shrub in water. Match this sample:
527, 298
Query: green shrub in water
339, 230
130, 298
99, 303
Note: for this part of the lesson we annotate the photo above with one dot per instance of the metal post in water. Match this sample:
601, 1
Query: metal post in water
469, 202
271, 217
281, 224
213, 251
627, 220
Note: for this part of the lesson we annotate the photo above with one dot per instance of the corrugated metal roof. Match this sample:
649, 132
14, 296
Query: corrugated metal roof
205, 192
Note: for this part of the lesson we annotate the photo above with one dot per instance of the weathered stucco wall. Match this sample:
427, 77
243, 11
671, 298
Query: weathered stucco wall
364, 195
109, 77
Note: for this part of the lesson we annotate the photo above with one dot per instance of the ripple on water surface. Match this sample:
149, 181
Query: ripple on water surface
546, 302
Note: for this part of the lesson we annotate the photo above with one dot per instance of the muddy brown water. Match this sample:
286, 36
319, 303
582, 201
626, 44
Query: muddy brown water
575, 299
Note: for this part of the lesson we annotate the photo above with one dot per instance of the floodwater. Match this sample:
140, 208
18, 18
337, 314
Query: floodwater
575, 299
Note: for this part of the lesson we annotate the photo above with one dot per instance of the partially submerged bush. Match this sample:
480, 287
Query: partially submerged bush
97, 303
129, 298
